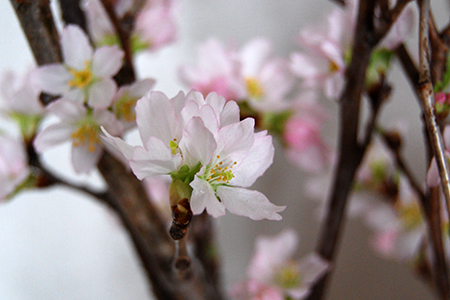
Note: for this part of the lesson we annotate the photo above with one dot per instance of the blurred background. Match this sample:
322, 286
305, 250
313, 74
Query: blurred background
57, 244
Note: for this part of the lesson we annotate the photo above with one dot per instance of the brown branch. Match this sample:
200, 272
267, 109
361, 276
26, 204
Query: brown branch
431, 205
72, 13
38, 25
350, 151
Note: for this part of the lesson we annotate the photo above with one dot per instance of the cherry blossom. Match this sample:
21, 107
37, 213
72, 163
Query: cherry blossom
21, 102
154, 27
124, 102
85, 75
202, 144
14, 168
274, 273
268, 79
400, 228
80, 126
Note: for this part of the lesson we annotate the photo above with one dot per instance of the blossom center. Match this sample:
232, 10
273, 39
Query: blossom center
124, 108
332, 67
410, 215
288, 277
87, 134
81, 78
220, 173
254, 88
173, 145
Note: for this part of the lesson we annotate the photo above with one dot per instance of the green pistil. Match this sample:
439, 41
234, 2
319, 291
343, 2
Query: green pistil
288, 278
173, 145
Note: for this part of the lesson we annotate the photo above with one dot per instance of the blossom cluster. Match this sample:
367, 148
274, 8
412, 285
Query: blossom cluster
210, 154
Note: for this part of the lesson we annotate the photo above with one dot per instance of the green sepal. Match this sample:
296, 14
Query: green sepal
379, 64
28, 124
275, 122
186, 174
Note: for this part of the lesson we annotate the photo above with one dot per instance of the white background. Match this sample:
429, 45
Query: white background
60, 245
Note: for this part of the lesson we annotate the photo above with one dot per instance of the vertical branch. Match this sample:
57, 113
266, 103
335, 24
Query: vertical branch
426, 96
38, 25
350, 151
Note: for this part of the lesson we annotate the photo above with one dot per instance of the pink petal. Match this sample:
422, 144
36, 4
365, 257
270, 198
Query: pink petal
198, 141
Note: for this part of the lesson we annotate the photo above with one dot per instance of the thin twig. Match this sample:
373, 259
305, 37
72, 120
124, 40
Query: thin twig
126, 75
426, 96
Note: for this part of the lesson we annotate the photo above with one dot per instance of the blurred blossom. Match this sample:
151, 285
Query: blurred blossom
85, 75
154, 26
274, 273
326, 50
21, 102
268, 79
209, 153
80, 126
399, 227
217, 70
14, 168
124, 102
400, 30
302, 136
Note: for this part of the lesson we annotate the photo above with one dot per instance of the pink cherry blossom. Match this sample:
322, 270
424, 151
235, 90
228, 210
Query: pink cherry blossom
303, 138
268, 79
217, 70
273, 272
400, 228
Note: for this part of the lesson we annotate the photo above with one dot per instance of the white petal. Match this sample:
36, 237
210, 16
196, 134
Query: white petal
210, 119
75, 47
67, 110
107, 61
155, 116
52, 79
52, 135
155, 159
236, 137
84, 160
229, 114
76, 95
312, 267
102, 93
141, 88
198, 141
119, 144
253, 55
252, 204
203, 197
